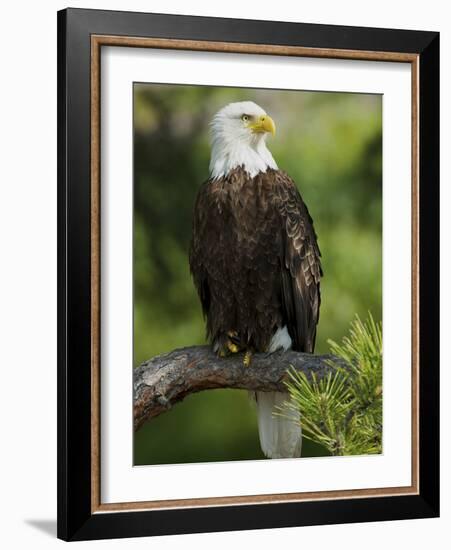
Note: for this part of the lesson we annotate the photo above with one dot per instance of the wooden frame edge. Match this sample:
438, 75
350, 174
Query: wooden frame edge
255, 499
227, 47
415, 255
95, 276
235, 47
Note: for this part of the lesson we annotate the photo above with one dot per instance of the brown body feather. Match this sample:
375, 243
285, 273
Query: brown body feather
255, 260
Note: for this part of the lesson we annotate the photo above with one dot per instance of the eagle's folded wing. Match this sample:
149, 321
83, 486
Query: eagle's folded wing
300, 267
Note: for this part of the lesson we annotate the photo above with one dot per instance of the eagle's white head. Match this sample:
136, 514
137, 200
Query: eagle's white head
238, 138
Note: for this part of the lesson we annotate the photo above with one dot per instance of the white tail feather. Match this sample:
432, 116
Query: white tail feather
280, 437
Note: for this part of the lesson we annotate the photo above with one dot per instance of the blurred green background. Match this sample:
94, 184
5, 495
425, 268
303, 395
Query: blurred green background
331, 145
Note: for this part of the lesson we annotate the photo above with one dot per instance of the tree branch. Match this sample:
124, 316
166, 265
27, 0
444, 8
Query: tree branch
166, 379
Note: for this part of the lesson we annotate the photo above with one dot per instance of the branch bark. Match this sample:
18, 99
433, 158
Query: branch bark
164, 380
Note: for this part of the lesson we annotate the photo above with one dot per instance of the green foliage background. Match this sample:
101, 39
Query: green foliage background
331, 145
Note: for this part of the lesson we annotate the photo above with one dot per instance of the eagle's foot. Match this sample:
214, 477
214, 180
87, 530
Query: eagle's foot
233, 341
233, 348
247, 358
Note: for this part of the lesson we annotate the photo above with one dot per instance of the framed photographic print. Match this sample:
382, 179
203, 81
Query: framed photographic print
248, 274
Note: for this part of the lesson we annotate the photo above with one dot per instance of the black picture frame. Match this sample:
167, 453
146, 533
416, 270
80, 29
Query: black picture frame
76, 519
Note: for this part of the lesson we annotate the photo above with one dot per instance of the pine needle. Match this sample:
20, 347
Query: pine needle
343, 410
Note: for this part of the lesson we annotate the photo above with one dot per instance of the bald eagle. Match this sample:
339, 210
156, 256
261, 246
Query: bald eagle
255, 259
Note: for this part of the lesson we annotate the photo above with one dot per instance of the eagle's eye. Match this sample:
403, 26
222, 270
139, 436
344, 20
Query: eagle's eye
245, 118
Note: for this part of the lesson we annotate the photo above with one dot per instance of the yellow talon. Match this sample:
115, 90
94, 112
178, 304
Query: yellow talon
247, 358
233, 348
233, 341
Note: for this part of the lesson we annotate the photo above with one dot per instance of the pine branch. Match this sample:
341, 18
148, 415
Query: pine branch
343, 410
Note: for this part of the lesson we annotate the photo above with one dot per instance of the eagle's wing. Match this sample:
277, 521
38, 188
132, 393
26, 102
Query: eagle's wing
198, 245
300, 267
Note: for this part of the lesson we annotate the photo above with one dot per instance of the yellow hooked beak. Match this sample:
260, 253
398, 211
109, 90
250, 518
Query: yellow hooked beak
264, 124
